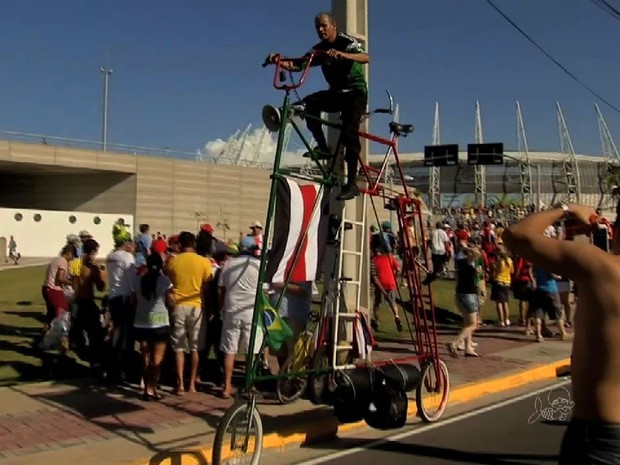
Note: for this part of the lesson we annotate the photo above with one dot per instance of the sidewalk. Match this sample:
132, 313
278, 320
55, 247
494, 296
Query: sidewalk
25, 263
58, 423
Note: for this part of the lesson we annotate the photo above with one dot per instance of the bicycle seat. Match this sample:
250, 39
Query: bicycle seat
401, 129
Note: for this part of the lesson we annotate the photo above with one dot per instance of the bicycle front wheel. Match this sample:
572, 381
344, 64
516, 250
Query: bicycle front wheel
239, 436
290, 388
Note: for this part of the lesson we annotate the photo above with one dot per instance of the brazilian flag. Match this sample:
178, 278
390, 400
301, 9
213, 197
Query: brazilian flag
278, 332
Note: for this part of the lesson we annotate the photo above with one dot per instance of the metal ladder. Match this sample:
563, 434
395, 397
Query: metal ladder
341, 314
420, 302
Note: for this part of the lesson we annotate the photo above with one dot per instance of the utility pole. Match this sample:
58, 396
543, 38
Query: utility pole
106, 87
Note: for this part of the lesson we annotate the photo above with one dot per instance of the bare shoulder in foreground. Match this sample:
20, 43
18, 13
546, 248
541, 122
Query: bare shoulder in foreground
594, 430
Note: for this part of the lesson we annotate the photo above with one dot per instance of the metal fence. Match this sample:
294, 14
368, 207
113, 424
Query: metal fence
163, 152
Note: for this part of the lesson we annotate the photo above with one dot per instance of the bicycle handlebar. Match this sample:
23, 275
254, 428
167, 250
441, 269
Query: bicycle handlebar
278, 80
280, 76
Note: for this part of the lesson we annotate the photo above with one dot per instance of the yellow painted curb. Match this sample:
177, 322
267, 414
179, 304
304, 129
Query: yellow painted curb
329, 427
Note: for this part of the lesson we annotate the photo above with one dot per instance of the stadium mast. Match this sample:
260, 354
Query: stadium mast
239, 160
480, 179
224, 154
570, 168
434, 185
525, 167
256, 158
611, 167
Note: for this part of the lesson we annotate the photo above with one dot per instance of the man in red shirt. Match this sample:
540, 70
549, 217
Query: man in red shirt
383, 272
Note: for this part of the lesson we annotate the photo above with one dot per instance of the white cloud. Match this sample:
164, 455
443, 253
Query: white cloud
251, 147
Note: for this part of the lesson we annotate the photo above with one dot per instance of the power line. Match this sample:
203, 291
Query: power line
557, 63
606, 6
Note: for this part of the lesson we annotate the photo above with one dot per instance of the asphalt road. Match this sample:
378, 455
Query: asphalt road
517, 431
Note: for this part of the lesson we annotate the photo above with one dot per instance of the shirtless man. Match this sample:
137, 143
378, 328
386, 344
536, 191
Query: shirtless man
90, 277
593, 434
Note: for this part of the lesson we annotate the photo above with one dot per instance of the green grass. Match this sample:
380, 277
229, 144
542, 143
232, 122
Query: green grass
21, 320
445, 311
22, 310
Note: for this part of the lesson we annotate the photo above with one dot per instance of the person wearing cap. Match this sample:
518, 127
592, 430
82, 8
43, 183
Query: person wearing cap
205, 241
190, 274
257, 234
222, 254
389, 237
237, 285
120, 265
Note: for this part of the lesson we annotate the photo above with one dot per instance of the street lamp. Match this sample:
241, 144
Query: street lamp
106, 82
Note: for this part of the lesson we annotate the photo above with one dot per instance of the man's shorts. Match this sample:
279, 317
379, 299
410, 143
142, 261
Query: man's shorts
236, 335
588, 442
188, 329
390, 297
521, 290
545, 303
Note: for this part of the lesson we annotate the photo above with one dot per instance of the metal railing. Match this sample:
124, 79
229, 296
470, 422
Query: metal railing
164, 152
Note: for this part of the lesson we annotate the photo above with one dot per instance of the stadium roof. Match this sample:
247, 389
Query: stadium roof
533, 156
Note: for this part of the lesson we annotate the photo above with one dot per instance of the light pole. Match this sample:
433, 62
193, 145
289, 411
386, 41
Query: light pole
106, 83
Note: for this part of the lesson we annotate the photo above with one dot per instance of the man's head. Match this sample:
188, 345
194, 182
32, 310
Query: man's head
187, 240
247, 246
90, 249
325, 25
68, 252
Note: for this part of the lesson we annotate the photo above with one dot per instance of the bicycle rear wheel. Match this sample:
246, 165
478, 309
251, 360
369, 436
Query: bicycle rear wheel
432, 394
246, 436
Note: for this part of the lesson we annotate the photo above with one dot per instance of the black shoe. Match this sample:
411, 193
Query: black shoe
349, 191
318, 154
399, 324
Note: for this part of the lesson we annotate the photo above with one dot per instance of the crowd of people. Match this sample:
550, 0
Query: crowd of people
467, 245
175, 297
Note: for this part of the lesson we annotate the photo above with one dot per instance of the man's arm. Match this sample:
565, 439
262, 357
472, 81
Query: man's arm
363, 57
526, 239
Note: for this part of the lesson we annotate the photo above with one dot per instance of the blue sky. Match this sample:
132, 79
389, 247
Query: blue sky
188, 72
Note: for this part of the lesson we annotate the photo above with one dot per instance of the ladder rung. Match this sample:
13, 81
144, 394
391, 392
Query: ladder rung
345, 367
344, 347
354, 222
352, 252
350, 281
347, 315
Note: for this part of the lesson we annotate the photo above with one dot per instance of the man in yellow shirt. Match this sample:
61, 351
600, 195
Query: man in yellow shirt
190, 275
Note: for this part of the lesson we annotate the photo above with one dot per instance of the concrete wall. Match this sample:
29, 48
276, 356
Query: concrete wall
45, 238
104, 192
171, 195
175, 195
67, 157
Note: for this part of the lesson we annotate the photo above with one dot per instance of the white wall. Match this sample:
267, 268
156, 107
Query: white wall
46, 237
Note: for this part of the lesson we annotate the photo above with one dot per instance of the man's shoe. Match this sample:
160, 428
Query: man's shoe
319, 154
349, 191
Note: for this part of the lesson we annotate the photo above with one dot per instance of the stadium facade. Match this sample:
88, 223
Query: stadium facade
504, 183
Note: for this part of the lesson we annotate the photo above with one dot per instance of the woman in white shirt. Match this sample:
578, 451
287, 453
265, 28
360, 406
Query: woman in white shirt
152, 296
